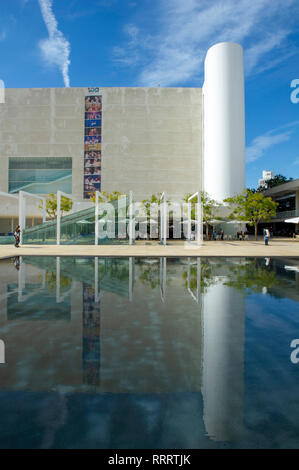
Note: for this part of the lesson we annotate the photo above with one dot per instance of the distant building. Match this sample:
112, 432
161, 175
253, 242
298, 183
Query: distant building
287, 197
267, 175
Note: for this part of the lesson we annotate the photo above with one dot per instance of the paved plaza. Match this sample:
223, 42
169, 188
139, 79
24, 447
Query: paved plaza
177, 248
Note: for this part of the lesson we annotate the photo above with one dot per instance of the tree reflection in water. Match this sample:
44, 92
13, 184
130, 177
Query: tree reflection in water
51, 281
250, 274
149, 273
253, 276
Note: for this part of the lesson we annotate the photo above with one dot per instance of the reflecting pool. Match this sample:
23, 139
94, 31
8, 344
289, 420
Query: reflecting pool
173, 353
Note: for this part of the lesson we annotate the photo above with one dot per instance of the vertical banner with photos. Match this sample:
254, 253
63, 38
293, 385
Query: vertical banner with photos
92, 145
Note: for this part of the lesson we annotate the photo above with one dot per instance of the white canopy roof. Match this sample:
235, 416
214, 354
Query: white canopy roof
293, 220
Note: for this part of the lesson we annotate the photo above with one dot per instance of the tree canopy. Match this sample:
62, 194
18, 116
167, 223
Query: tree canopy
153, 199
105, 196
252, 208
276, 181
51, 205
209, 207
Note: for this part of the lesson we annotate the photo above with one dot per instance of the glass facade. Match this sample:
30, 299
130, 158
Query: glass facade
78, 229
287, 203
40, 175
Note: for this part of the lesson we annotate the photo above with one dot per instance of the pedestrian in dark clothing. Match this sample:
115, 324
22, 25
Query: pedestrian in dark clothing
17, 235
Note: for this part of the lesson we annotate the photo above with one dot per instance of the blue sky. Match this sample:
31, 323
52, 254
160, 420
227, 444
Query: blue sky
54, 43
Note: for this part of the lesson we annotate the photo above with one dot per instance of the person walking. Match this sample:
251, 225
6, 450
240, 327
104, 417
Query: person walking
267, 236
17, 234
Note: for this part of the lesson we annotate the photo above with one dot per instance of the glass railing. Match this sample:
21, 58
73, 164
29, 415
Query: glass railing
78, 229
286, 214
7, 240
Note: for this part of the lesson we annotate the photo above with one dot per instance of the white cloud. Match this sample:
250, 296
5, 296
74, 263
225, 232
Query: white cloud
266, 45
185, 29
264, 142
128, 55
173, 66
132, 31
296, 162
3, 35
56, 48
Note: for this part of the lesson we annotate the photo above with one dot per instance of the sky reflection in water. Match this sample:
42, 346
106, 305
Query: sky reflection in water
149, 353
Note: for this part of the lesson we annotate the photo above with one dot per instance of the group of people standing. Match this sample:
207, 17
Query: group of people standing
241, 235
218, 235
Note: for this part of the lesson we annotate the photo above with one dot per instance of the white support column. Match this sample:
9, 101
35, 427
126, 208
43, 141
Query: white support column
199, 220
161, 225
131, 219
198, 278
22, 214
163, 273
96, 220
22, 209
189, 221
165, 220
131, 279
44, 210
198, 217
197, 296
58, 217
12, 196
164, 276
21, 279
58, 224
96, 280
58, 299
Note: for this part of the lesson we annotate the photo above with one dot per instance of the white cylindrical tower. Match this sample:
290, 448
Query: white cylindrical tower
224, 121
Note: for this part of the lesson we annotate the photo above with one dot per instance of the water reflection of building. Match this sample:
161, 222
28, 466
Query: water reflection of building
223, 356
178, 339
52, 308
91, 355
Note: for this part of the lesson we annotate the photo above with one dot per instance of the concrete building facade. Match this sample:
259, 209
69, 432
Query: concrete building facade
145, 140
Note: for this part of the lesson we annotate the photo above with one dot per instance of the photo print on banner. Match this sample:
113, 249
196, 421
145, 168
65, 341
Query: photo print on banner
92, 145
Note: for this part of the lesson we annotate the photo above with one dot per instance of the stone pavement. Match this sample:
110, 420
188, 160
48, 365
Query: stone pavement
176, 248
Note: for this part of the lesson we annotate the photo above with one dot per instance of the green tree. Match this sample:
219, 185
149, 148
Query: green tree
153, 199
51, 205
209, 208
252, 207
276, 181
105, 196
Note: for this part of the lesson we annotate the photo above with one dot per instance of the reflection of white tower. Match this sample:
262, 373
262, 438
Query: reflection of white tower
2, 352
224, 121
223, 356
